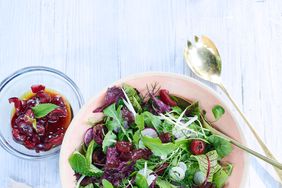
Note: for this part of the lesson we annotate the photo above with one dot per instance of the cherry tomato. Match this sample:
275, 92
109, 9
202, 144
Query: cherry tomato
197, 147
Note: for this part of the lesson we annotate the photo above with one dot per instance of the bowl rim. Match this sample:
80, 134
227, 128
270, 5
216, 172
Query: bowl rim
3, 143
177, 76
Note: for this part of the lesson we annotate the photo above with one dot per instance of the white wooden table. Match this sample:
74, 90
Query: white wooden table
98, 42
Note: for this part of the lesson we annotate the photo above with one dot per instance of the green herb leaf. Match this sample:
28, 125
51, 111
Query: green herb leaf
133, 97
164, 184
80, 165
109, 140
208, 158
141, 181
157, 147
91, 147
218, 111
219, 178
115, 121
41, 110
107, 184
136, 138
139, 121
87, 186
194, 109
153, 121
222, 146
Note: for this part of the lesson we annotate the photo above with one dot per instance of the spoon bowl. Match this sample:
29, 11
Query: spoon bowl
203, 58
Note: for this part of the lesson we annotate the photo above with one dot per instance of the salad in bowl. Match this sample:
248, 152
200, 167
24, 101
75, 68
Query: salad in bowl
153, 139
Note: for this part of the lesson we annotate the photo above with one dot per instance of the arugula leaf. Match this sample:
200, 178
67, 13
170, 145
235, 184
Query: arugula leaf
177, 110
115, 121
167, 126
152, 120
136, 138
80, 165
194, 109
208, 162
91, 147
133, 97
141, 181
157, 147
182, 143
107, 184
164, 184
139, 121
41, 110
222, 146
109, 140
218, 111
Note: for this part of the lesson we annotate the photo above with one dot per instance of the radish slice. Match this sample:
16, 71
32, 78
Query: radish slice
177, 174
149, 132
183, 166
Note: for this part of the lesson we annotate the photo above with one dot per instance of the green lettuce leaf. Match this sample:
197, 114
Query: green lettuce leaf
107, 184
141, 181
157, 147
109, 140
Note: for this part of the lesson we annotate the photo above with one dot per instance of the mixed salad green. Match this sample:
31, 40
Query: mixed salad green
155, 140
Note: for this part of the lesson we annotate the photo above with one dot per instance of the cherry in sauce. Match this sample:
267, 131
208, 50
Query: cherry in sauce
50, 129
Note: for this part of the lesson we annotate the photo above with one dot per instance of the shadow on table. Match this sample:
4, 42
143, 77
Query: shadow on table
268, 179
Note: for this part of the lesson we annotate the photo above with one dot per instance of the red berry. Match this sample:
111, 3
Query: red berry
17, 103
164, 95
165, 137
197, 147
123, 147
37, 88
43, 97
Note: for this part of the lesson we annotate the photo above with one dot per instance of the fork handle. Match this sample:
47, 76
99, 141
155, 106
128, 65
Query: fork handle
261, 143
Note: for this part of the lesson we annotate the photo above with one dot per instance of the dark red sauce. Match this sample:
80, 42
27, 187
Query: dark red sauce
45, 133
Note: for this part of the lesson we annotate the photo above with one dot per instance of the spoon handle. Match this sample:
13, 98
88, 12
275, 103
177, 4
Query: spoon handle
261, 143
245, 148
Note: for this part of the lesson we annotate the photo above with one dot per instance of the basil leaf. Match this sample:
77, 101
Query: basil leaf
141, 181
109, 140
157, 147
41, 110
218, 111
80, 165
222, 146
107, 184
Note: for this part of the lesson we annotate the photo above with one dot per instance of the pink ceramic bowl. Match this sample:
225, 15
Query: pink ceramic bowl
177, 84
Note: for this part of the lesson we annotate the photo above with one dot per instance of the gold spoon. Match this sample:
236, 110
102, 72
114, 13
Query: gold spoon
204, 60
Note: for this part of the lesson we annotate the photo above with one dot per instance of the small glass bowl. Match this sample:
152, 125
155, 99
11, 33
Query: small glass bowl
16, 85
